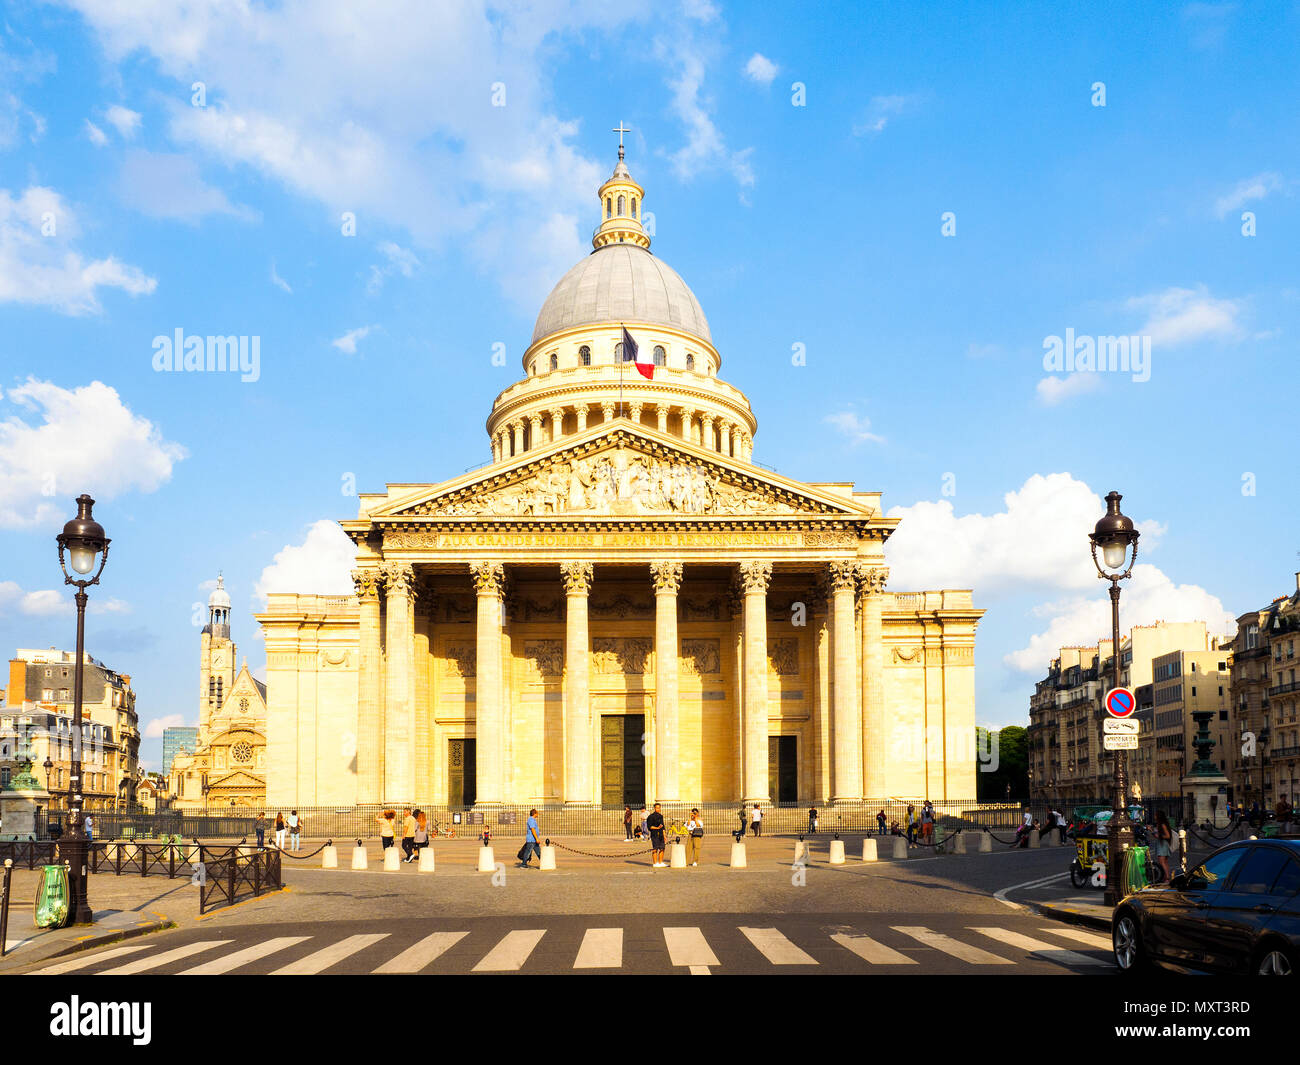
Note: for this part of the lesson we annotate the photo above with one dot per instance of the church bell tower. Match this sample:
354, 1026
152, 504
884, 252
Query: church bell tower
216, 657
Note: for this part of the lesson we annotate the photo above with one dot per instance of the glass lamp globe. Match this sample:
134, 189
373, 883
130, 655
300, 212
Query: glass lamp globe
1113, 555
82, 558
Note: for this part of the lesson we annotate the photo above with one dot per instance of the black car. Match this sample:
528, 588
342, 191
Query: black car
1236, 912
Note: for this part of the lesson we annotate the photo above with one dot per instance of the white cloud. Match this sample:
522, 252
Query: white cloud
1183, 316
760, 69
1248, 189
278, 281
38, 265
1038, 545
400, 261
348, 341
97, 136
855, 427
1054, 390
321, 565
705, 148
389, 116
124, 120
154, 729
164, 185
882, 109
1148, 596
44, 603
43, 465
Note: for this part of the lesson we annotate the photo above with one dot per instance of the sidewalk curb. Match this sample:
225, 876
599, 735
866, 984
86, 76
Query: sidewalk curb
159, 923
1069, 915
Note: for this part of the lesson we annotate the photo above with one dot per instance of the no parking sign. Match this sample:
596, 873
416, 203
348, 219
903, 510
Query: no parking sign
1120, 702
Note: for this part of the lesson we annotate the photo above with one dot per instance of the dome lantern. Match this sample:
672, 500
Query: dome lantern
620, 206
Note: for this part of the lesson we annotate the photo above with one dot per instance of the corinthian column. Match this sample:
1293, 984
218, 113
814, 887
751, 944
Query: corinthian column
370, 682
871, 586
399, 687
578, 752
668, 582
846, 716
489, 706
754, 579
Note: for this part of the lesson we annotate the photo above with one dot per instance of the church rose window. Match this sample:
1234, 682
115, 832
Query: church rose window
242, 751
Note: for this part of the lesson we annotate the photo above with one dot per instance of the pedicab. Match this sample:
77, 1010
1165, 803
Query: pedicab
1088, 829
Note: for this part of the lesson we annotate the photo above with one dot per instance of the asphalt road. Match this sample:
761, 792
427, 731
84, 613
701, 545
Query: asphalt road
928, 914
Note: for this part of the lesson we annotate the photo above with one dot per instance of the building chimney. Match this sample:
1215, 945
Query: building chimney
1297, 582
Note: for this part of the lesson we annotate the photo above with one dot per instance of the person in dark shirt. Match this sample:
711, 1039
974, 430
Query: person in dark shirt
655, 824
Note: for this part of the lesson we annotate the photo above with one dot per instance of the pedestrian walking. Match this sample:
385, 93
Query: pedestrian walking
627, 824
387, 828
89, 826
927, 823
756, 821
259, 826
643, 827
279, 830
408, 835
744, 823
880, 823
911, 824
694, 836
655, 826
812, 821
421, 832
1164, 843
295, 830
532, 844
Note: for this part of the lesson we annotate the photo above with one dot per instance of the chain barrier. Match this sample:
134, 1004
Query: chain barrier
1013, 841
592, 854
303, 857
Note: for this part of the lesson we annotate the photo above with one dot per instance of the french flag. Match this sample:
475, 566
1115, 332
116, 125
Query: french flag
645, 364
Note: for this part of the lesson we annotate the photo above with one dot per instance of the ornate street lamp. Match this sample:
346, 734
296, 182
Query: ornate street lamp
84, 542
1115, 536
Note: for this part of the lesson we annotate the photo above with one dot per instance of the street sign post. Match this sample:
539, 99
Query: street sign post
1120, 702
1120, 726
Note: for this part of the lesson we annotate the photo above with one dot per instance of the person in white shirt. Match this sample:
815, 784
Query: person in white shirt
756, 821
694, 834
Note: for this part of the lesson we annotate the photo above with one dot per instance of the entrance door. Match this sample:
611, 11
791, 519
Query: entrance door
622, 765
783, 768
462, 787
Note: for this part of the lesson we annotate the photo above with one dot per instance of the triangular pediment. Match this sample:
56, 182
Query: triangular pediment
624, 471
236, 779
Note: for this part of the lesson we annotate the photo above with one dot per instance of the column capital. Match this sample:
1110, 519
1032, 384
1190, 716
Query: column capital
576, 577
367, 583
399, 579
667, 577
489, 578
582, 408
662, 409
871, 579
634, 410
557, 414
607, 409
755, 577
843, 576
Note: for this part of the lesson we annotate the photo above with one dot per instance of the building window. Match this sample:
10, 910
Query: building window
555, 361
47, 694
609, 206
659, 356
622, 205
584, 355
633, 206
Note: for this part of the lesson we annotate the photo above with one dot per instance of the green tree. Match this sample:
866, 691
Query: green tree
1012, 747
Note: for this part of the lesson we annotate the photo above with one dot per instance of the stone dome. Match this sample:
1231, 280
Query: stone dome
621, 283
219, 597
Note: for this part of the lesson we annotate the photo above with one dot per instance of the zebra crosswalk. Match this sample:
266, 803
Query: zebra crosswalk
636, 945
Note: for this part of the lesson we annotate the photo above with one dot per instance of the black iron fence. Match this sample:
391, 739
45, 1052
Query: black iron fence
231, 874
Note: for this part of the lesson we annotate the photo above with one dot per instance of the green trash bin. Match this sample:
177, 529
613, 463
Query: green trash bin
1135, 869
52, 897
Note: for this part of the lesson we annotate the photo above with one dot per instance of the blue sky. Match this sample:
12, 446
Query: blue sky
819, 224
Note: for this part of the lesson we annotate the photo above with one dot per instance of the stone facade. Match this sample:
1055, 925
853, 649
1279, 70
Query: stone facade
621, 604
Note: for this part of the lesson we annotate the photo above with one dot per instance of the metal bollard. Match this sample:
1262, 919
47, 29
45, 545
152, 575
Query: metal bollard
677, 856
359, 860
329, 857
487, 862
1034, 839
986, 843
837, 852
900, 846
869, 850
802, 851
958, 844
738, 856
392, 860
548, 856
426, 864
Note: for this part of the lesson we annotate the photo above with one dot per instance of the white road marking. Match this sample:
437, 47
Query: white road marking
1001, 895
422, 954
948, 945
86, 962
602, 948
242, 957
869, 950
776, 948
688, 947
510, 954
331, 955
141, 965
1093, 939
1037, 946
